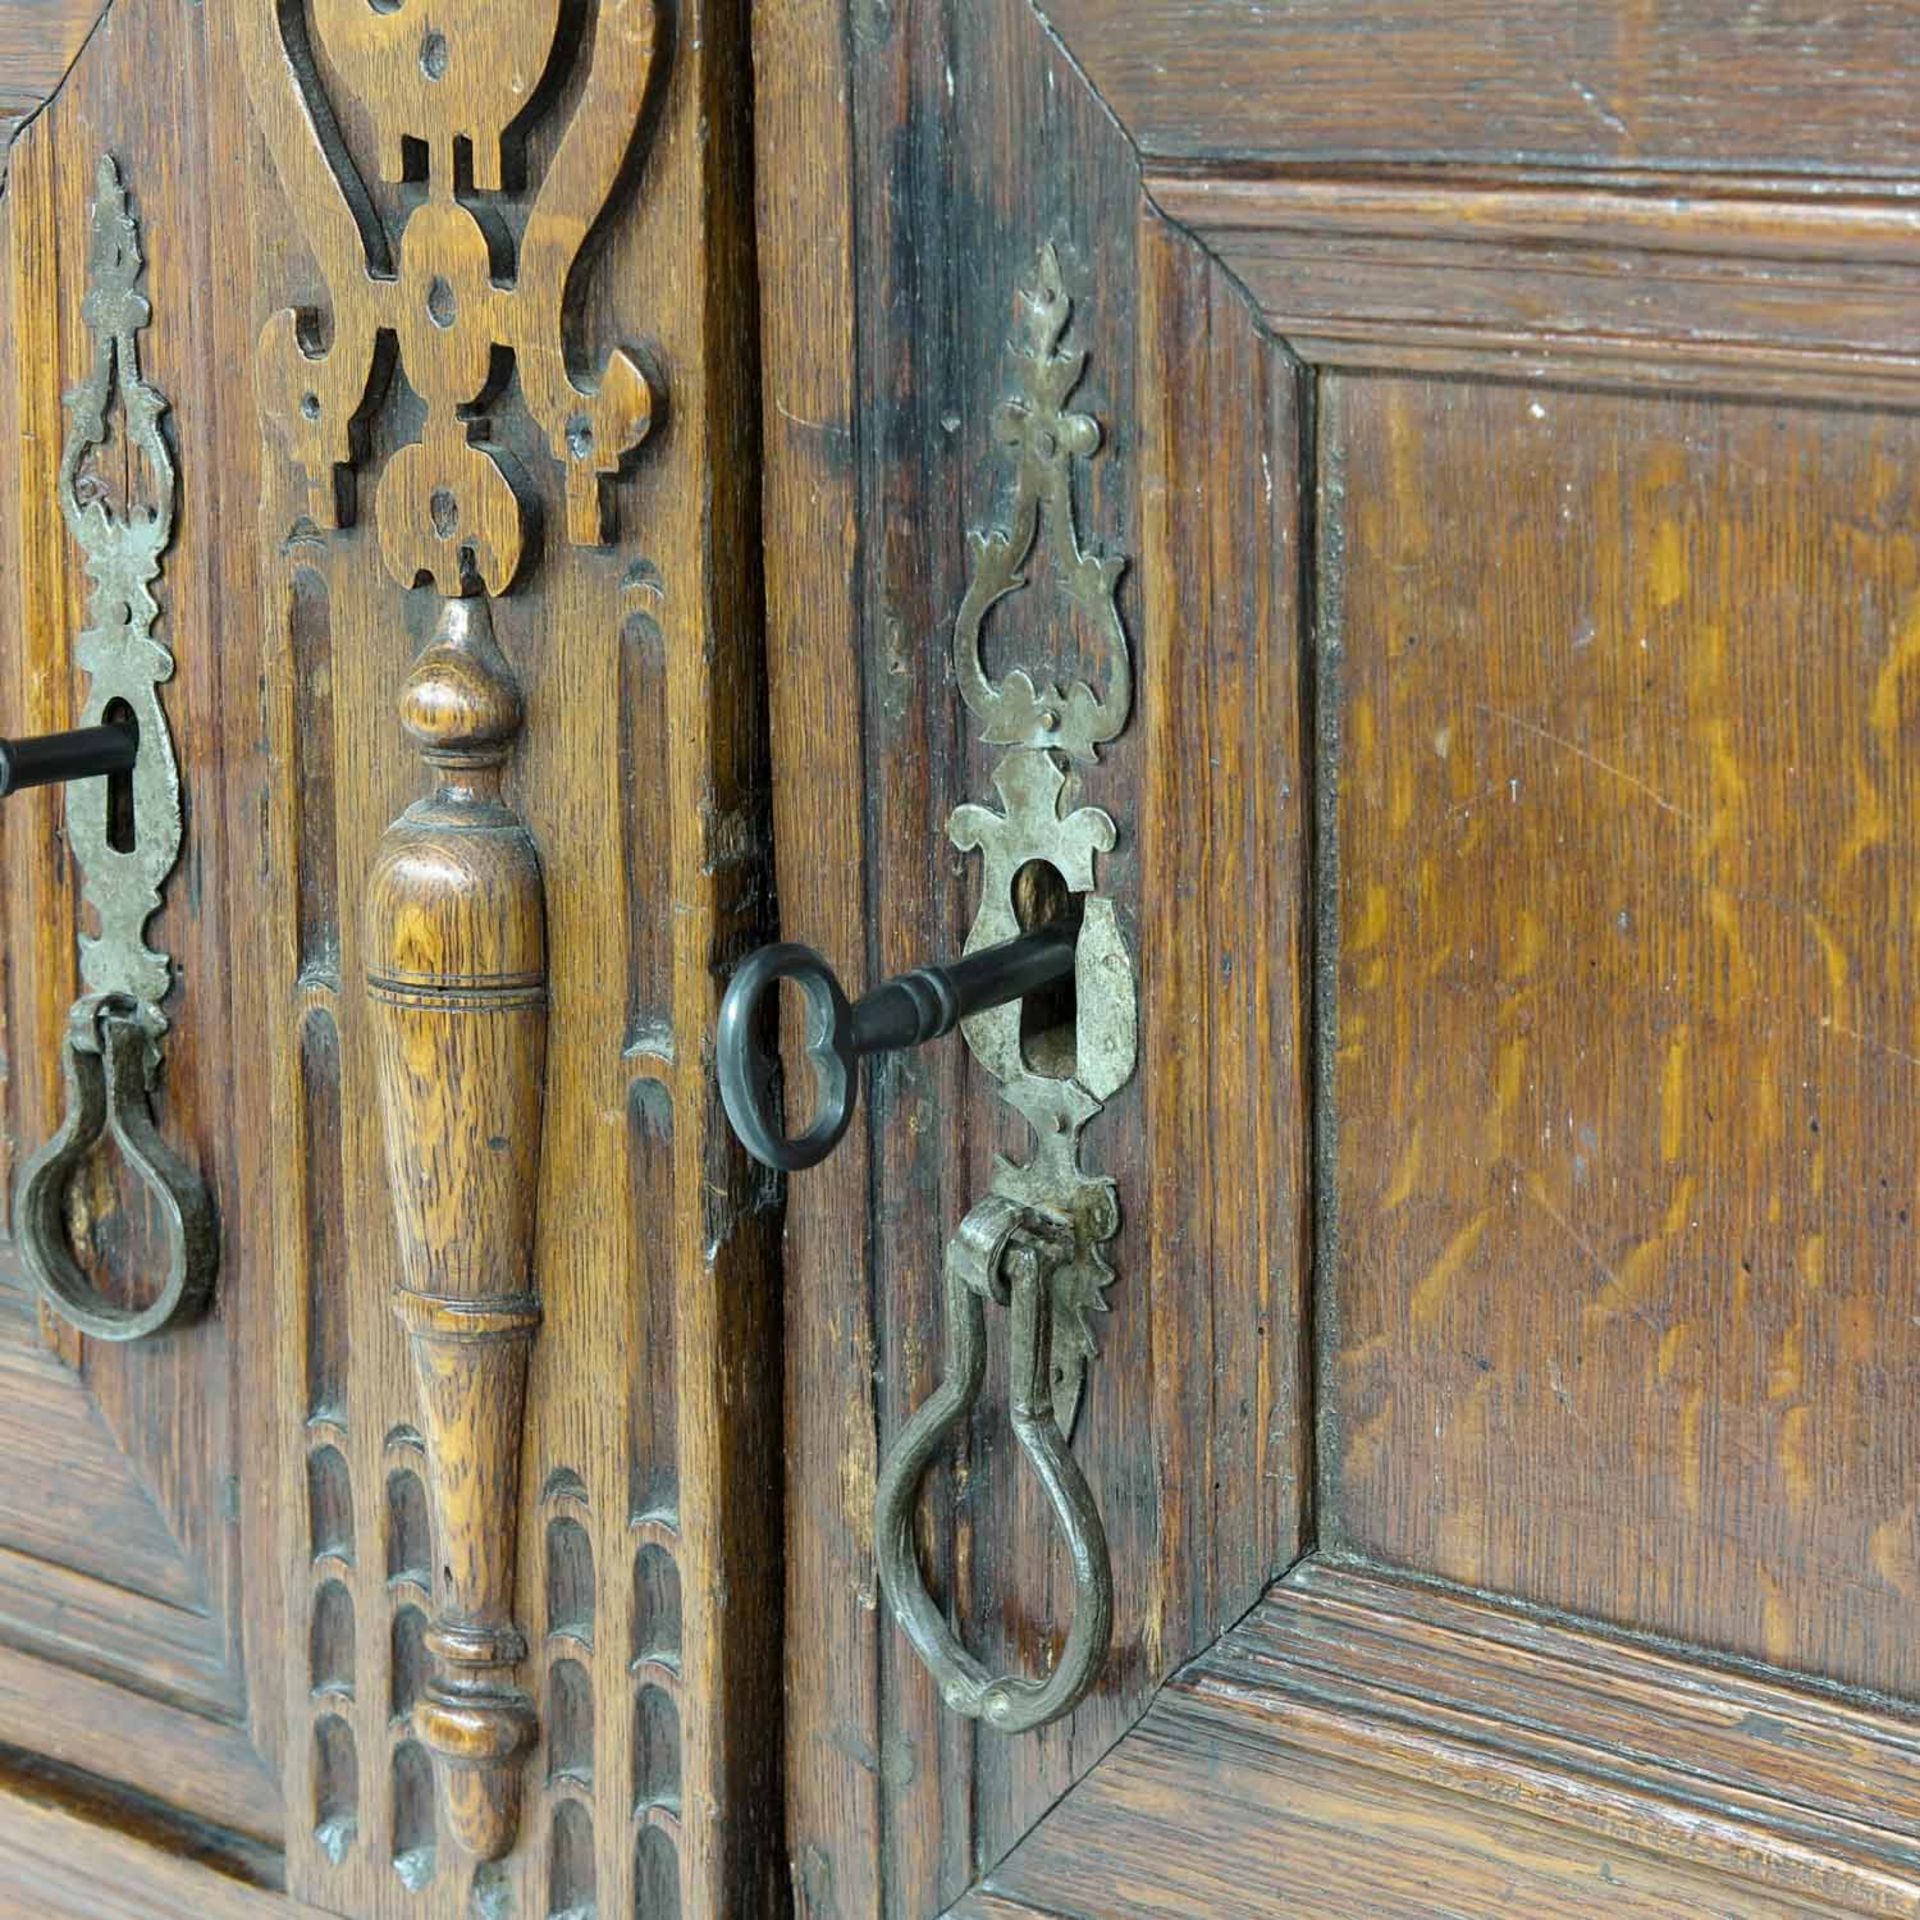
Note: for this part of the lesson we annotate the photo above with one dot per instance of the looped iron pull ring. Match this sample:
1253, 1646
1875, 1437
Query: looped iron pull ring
1037, 1245
124, 837
1006, 1252
108, 1065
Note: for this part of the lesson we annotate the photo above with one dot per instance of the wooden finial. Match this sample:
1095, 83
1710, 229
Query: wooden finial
461, 704
456, 943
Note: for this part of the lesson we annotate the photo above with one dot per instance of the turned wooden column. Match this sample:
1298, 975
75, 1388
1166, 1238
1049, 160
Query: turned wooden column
456, 976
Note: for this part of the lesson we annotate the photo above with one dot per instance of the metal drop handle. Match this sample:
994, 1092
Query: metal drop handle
116, 1029
903, 1012
1036, 1244
1010, 1255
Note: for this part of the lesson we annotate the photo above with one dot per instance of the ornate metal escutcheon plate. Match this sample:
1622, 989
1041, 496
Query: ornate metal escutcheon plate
1050, 730
115, 1030
1036, 1244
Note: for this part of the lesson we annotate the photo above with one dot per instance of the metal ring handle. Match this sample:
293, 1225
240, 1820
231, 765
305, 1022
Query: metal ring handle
747, 1066
107, 1088
980, 1261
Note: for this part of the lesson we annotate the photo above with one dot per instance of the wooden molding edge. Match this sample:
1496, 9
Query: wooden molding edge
38, 46
98, 1726
1688, 285
1500, 1749
57, 1861
1691, 87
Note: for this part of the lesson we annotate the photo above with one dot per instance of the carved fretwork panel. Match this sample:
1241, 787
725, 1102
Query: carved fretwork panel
453, 280
512, 705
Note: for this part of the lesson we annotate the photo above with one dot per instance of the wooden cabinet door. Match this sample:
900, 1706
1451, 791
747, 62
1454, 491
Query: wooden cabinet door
1504, 1420
1481, 442
139, 1566
434, 1570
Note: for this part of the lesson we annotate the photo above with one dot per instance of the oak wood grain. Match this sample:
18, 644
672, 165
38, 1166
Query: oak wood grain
1361, 1745
910, 169
142, 1582
1626, 1016
1684, 284
39, 40
457, 974
1771, 91
649, 1429
61, 1859
804, 164
646, 1569
1586, 654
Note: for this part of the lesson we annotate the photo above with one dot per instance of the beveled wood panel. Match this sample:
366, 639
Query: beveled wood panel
1777, 88
67, 1860
207, 1767
77, 1499
1618, 1316
1362, 1746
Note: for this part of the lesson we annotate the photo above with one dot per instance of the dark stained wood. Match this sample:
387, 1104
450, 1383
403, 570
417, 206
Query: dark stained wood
1625, 1738
1689, 610
1517, 808
804, 187
1776, 89
69, 1858
1224, 810
205, 1766
646, 1573
893, 243
1627, 1144
1360, 1746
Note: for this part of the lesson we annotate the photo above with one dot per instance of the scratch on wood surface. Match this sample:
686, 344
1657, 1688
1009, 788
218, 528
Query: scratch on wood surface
1531, 1189
1658, 798
1602, 112
1831, 1025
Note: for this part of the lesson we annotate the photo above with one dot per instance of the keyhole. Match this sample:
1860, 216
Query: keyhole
122, 834
1050, 1018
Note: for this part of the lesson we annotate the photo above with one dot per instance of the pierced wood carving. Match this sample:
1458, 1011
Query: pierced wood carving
467, 303
460, 290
